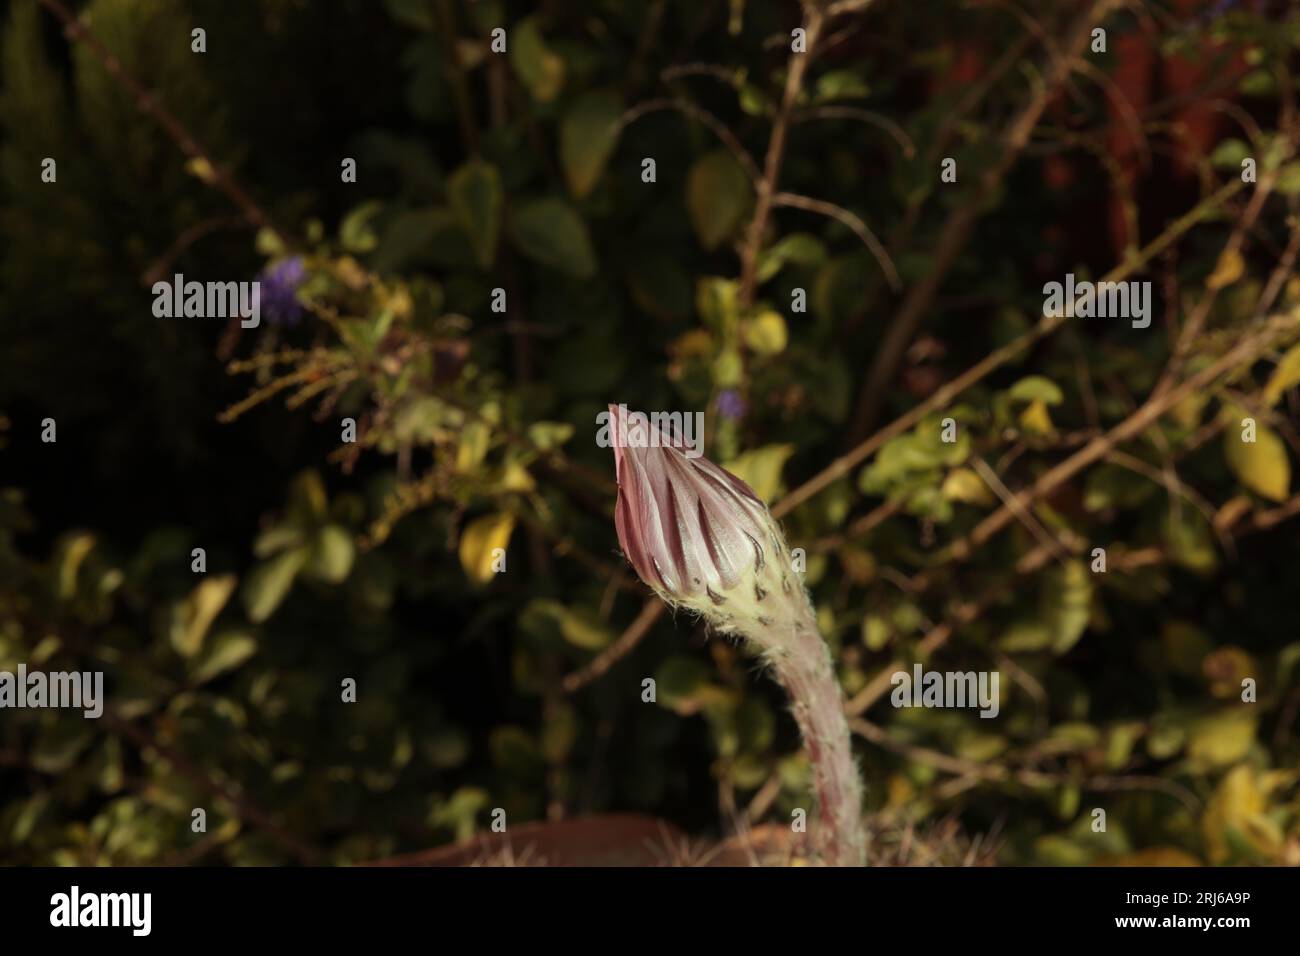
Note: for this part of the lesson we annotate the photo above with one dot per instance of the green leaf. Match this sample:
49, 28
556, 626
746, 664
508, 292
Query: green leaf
875, 632
308, 500
474, 193
332, 554
766, 333
72, 551
227, 651
269, 582
578, 626
717, 302
197, 612
760, 468
1261, 465
1285, 376
1190, 540
356, 233
1184, 647
479, 540
1026, 636
473, 447
534, 63
550, 232
1288, 180
717, 197
680, 683
914, 456
277, 538
59, 746
1036, 388
581, 628
588, 135
1222, 739
548, 436
840, 85
1229, 154
963, 484
799, 248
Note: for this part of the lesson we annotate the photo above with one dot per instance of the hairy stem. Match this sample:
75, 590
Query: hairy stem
801, 661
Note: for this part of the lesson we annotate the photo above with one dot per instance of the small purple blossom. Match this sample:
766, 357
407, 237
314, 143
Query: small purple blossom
730, 404
280, 284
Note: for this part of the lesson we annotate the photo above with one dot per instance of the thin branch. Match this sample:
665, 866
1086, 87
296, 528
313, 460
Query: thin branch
766, 187
859, 228
960, 225
611, 655
148, 103
719, 128
962, 615
1248, 350
948, 392
867, 116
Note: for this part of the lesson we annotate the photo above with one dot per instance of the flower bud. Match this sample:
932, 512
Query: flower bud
695, 533
703, 540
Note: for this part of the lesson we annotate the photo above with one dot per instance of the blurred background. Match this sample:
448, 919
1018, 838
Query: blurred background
503, 264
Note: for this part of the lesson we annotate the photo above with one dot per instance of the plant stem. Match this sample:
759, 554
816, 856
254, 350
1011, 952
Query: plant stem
801, 661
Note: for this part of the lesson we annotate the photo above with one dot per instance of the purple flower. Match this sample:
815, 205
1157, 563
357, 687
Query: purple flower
730, 404
280, 284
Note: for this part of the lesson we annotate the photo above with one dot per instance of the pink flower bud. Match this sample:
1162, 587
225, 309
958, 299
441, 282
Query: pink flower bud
695, 533
703, 540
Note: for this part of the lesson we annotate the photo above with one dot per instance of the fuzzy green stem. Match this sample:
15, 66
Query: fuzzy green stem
802, 664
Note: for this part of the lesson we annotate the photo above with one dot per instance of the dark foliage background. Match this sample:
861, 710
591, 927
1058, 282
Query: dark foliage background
778, 176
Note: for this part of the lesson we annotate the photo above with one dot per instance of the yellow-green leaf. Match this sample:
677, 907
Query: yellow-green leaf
962, 484
1036, 388
548, 436
581, 629
478, 542
201, 170
717, 197
197, 612
1221, 739
74, 551
1067, 602
1261, 465
761, 469
269, 582
515, 477
588, 135
1286, 376
550, 232
1227, 270
333, 553
539, 69
766, 333
475, 195
227, 651
1237, 816
1036, 419
473, 447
